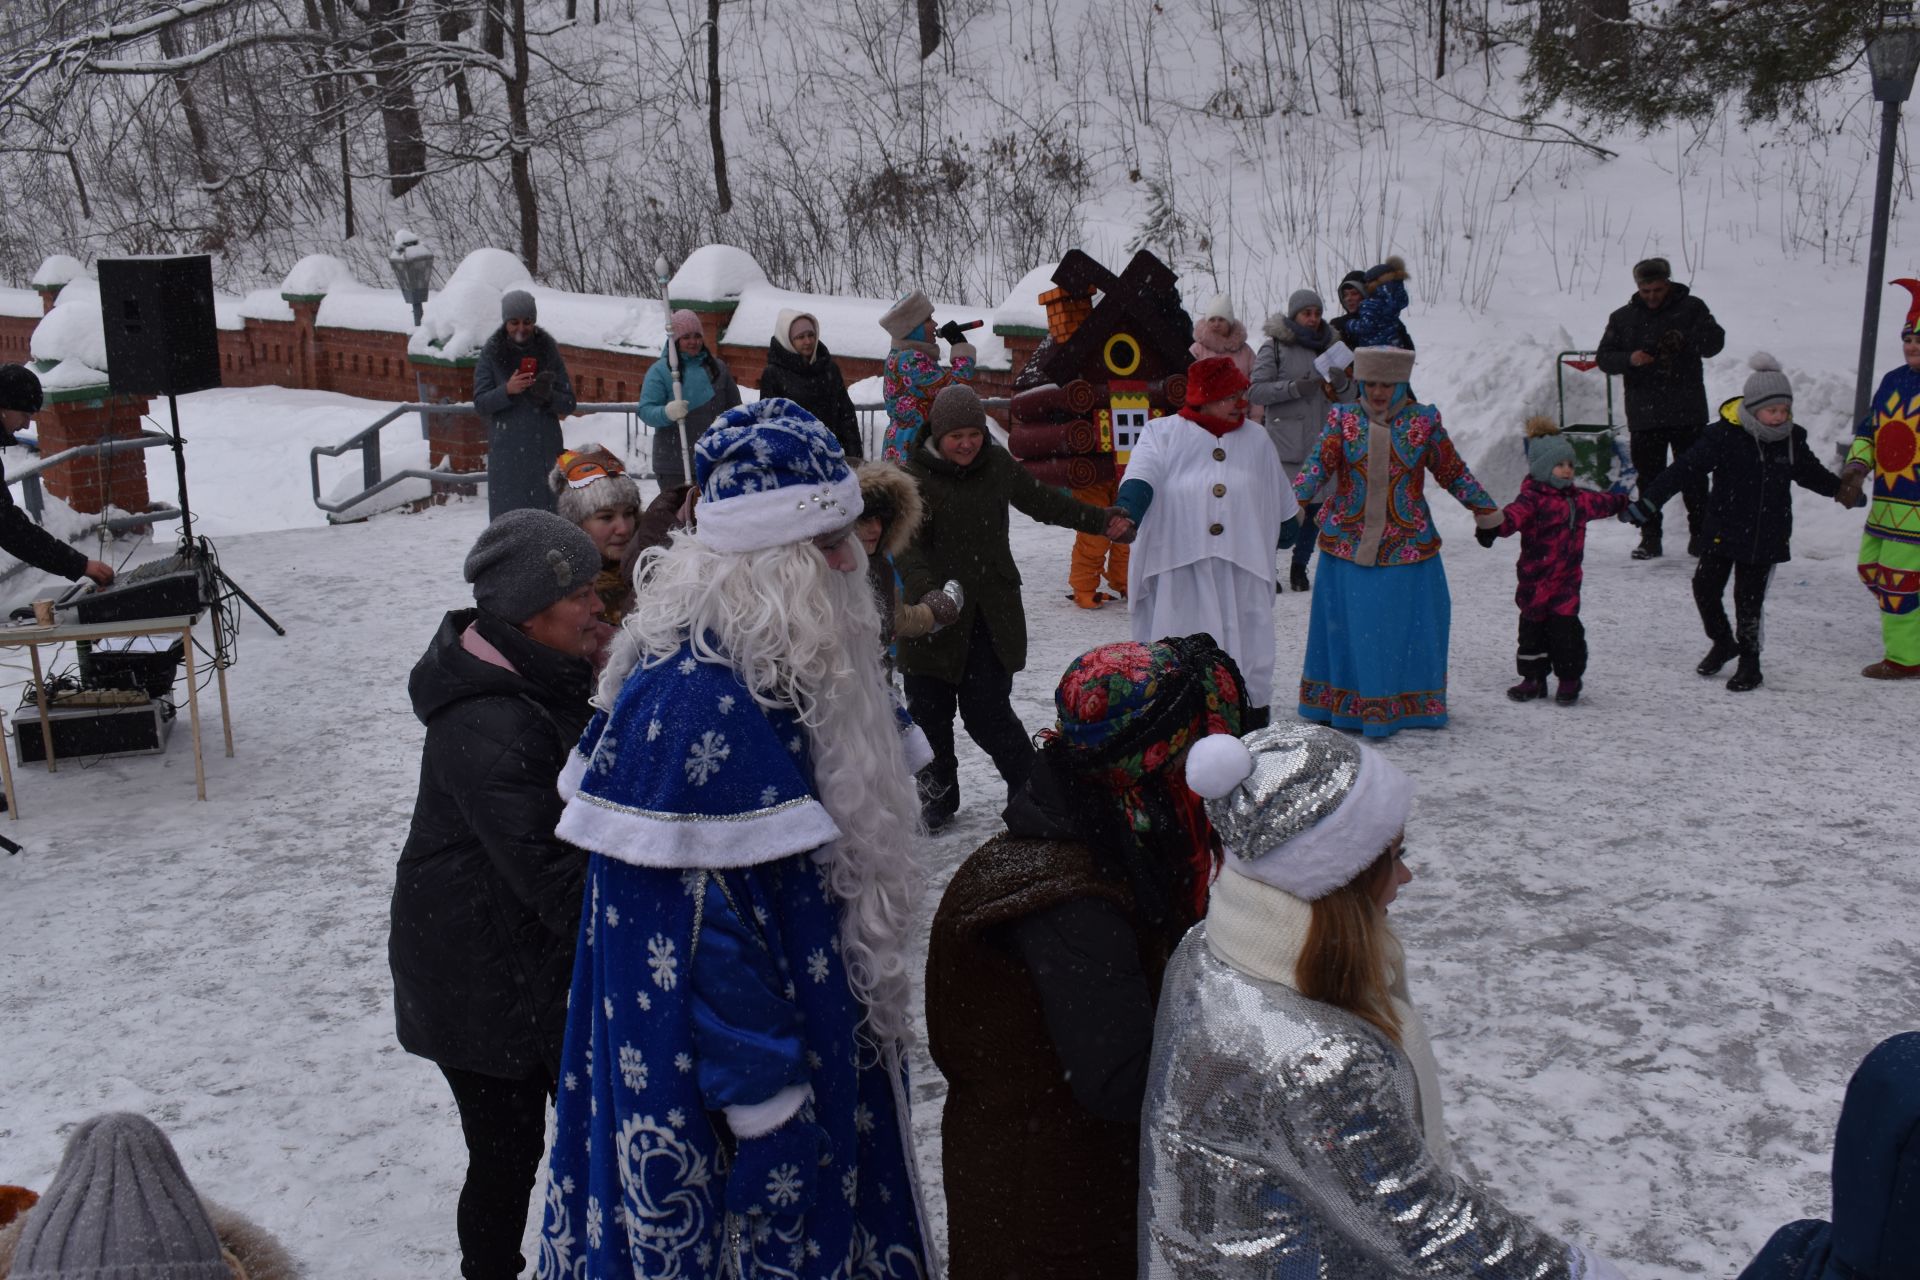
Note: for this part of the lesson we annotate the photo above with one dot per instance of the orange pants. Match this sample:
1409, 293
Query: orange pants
1092, 554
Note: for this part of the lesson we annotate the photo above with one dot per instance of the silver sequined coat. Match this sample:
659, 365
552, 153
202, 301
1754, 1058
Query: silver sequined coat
1281, 1142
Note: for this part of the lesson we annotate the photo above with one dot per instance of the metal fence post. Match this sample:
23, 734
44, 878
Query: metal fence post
31, 499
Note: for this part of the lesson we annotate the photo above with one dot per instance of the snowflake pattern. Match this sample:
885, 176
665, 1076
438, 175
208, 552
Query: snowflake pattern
677, 1118
689, 665
784, 1185
794, 744
644, 1000
572, 1082
595, 1222
725, 704
682, 1063
769, 796
817, 964
613, 916
633, 1068
863, 1119
850, 1186
664, 965
705, 757
653, 728
606, 754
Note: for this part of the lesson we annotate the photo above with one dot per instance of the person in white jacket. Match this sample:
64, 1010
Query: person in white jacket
1211, 502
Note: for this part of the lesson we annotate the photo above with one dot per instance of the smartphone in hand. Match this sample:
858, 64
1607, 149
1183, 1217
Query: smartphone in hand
528, 364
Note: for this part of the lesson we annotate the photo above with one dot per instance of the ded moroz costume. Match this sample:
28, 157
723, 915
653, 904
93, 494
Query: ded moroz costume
732, 1093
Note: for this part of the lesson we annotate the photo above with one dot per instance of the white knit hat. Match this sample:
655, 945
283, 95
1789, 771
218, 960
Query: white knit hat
1221, 306
1299, 806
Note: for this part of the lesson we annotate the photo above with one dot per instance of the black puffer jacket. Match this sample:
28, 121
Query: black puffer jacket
24, 540
486, 901
817, 386
1750, 512
1672, 391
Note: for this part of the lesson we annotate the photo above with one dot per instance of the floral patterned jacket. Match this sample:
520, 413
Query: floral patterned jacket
1393, 523
913, 378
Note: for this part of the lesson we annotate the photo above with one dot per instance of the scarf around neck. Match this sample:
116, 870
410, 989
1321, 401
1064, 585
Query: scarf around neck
1213, 426
1316, 340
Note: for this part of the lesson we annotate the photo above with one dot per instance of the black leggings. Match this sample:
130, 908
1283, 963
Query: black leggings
1648, 447
1749, 597
505, 1123
984, 699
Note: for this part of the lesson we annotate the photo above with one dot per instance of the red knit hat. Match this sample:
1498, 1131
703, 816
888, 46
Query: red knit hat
1215, 378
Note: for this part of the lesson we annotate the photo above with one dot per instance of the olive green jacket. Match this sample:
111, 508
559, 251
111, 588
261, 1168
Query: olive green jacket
965, 538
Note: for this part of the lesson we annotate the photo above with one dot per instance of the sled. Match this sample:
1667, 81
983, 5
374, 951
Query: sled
1599, 455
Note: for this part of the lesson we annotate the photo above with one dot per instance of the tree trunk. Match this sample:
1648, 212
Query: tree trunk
929, 28
720, 188
190, 111
493, 28
399, 114
453, 21
521, 163
1598, 32
1440, 56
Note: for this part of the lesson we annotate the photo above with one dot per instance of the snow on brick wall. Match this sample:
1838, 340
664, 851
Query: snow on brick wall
316, 275
715, 273
58, 269
73, 332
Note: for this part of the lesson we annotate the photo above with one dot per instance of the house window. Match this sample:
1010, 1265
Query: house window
1122, 354
1129, 418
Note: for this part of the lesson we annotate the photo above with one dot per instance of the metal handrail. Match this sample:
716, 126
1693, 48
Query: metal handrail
31, 497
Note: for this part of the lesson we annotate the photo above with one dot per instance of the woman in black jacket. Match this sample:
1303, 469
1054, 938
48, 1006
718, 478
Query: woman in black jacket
1755, 460
486, 901
801, 369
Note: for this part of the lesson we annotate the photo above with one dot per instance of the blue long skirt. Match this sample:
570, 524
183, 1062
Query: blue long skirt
1377, 647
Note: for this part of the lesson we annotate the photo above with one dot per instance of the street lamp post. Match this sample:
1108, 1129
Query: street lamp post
1893, 53
412, 264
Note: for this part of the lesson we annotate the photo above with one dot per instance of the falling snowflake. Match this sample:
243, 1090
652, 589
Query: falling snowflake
633, 1068
663, 963
863, 1119
726, 703
682, 1063
653, 728
676, 1117
613, 916
850, 1185
769, 796
645, 1001
783, 1185
688, 666
705, 757
817, 964
594, 1222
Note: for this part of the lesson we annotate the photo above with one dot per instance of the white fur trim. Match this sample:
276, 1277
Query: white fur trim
643, 838
915, 747
777, 517
1324, 857
1217, 764
758, 1119
571, 772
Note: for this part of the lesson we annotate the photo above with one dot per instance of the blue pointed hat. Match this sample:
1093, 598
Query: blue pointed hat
771, 474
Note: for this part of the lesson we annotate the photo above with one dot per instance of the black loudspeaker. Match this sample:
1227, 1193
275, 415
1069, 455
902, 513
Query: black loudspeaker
158, 314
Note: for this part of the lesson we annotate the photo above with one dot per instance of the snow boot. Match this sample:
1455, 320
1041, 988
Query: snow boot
1888, 669
1746, 675
1568, 693
1724, 651
1527, 690
1649, 548
1297, 578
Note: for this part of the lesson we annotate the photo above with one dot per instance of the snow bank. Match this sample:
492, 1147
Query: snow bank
716, 273
360, 307
70, 375
73, 331
265, 304
229, 312
58, 269
460, 317
316, 275
1022, 306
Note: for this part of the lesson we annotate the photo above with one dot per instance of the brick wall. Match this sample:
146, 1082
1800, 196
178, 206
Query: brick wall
88, 485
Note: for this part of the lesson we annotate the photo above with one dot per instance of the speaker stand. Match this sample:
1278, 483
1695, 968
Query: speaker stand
194, 553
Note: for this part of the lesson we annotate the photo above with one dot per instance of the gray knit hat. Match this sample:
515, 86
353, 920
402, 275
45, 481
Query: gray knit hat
121, 1207
956, 408
1544, 453
906, 315
589, 479
517, 304
1766, 384
527, 560
1300, 299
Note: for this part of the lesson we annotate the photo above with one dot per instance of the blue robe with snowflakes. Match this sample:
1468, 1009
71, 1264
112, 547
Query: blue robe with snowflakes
709, 999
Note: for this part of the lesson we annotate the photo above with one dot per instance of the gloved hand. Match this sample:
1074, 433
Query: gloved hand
778, 1172
1852, 488
945, 604
952, 332
1289, 532
1304, 387
676, 410
961, 351
1638, 512
1486, 537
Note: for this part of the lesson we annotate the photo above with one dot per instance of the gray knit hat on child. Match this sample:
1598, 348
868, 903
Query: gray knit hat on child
956, 408
121, 1207
1544, 453
1300, 299
517, 304
527, 560
1765, 385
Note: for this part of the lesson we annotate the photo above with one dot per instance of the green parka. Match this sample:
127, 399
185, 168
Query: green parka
965, 538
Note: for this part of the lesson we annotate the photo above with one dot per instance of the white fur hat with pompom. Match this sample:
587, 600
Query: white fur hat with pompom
1299, 806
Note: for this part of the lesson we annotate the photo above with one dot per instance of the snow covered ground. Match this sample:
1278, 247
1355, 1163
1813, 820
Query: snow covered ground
1652, 934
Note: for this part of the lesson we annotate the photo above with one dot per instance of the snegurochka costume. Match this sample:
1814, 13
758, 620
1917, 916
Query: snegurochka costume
722, 1111
1886, 446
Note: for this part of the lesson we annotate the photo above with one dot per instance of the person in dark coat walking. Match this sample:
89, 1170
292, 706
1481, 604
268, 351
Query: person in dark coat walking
521, 384
1043, 970
1656, 344
801, 369
486, 900
1754, 462
20, 537
967, 482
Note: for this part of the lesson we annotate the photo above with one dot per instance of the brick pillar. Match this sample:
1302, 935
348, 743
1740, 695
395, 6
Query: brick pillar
456, 440
49, 294
89, 485
306, 348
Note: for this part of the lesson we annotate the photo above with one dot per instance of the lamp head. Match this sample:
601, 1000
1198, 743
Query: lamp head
1893, 52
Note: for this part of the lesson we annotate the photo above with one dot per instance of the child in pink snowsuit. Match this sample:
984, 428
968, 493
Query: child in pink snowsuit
1551, 516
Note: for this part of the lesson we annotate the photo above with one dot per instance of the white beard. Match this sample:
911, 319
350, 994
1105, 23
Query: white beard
805, 637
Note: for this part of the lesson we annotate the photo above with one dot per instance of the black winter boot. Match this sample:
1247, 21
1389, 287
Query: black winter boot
1724, 651
1568, 692
1527, 690
1297, 578
1746, 675
1649, 548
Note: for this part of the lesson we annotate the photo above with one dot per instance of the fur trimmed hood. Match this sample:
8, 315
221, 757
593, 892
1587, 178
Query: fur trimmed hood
1236, 337
893, 486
